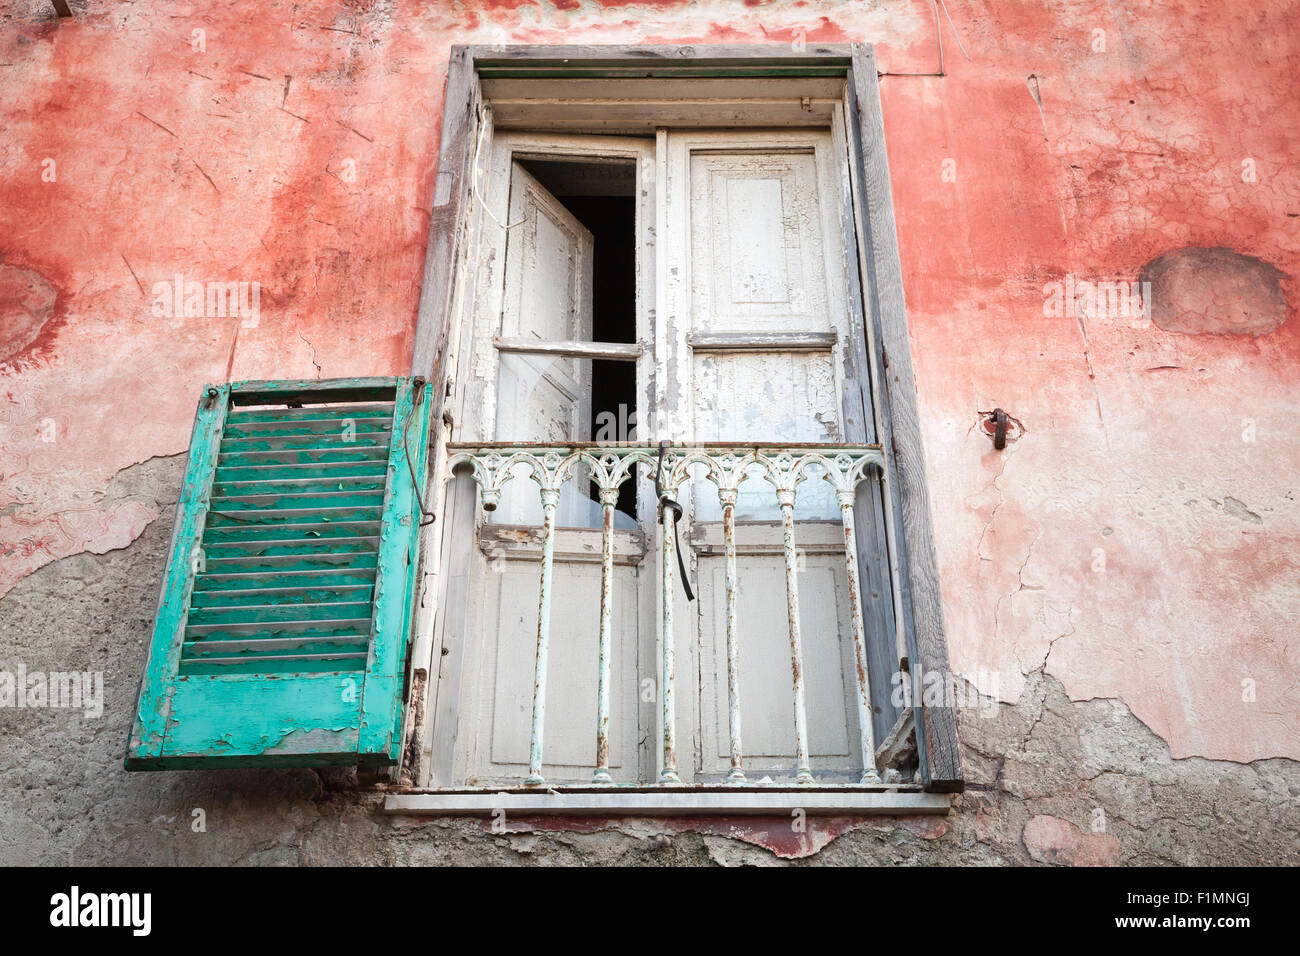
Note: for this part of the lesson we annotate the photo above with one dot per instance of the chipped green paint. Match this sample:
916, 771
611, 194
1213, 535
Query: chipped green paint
156, 683
381, 711
288, 598
254, 720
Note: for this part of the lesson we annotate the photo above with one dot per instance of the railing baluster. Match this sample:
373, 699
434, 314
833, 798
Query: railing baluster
668, 774
786, 498
550, 498
868, 739
552, 465
736, 775
608, 499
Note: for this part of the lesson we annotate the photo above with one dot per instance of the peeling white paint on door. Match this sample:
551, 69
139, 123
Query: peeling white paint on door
747, 245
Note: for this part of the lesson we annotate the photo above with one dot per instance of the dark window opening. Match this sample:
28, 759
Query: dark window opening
602, 196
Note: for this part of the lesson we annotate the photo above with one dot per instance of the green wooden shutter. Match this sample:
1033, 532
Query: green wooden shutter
288, 597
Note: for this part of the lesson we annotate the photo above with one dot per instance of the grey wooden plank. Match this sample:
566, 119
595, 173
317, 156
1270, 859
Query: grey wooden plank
610, 351
704, 59
435, 320
452, 624
869, 526
446, 223
761, 341
918, 573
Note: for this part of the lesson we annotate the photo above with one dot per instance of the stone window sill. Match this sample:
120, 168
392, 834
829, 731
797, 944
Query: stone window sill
665, 801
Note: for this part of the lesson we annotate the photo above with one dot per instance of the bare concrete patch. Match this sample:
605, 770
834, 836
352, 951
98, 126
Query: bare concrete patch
1215, 290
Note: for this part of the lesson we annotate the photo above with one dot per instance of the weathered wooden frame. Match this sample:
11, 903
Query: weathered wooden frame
884, 348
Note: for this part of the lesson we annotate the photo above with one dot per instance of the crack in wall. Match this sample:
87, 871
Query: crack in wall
313, 353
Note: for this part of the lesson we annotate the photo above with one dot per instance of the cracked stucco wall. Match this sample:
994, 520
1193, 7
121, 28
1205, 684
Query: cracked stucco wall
1050, 780
1123, 576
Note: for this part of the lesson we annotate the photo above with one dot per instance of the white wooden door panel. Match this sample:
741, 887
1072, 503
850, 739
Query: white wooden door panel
537, 395
763, 255
541, 398
548, 266
766, 685
787, 397
545, 294
501, 694
756, 243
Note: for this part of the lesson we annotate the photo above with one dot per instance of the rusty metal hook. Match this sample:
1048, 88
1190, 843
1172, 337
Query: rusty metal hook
999, 429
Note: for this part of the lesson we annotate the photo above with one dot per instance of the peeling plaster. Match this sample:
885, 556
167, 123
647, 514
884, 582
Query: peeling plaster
1051, 780
227, 164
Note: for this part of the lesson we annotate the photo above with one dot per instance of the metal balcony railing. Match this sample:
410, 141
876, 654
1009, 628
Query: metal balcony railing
607, 466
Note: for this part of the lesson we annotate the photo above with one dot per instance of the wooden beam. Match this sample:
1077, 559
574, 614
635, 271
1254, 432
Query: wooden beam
452, 626
761, 341
150, 727
393, 609
61, 8
898, 415
861, 385
650, 61
450, 201
637, 105
610, 351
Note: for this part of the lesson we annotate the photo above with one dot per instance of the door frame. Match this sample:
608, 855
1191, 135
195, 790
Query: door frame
578, 88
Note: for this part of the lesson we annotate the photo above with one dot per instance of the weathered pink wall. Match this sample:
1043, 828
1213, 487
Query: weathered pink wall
1133, 541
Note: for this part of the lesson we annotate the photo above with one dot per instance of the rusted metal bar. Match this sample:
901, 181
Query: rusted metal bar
736, 775
608, 499
803, 773
550, 498
868, 739
668, 773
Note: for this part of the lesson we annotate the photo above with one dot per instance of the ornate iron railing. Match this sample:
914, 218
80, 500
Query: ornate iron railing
608, 466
